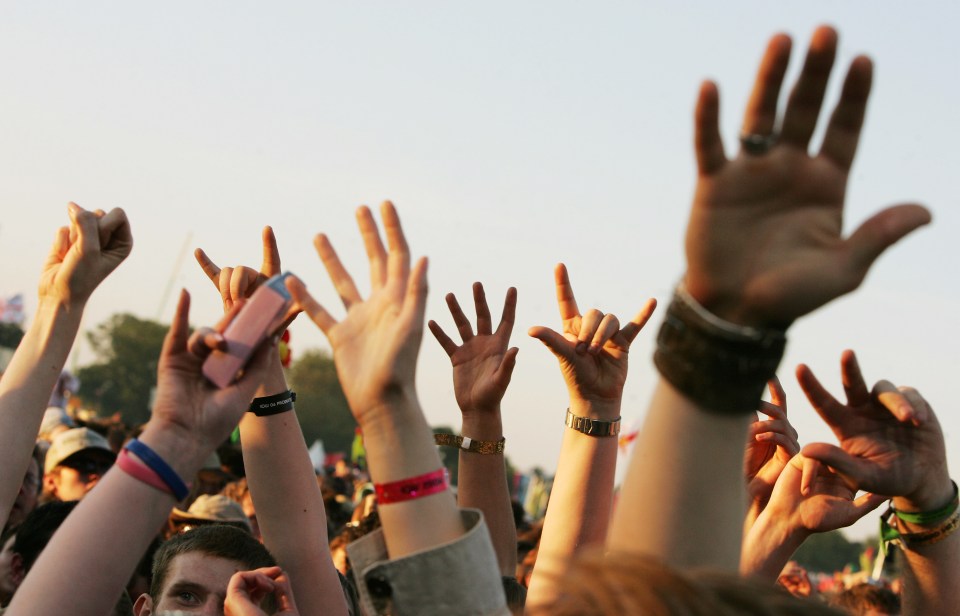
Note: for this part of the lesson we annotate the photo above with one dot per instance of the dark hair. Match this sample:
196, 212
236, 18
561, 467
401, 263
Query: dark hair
858, 599
37, 529
217, 540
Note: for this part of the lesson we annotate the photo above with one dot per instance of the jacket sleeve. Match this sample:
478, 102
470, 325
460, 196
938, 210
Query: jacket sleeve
460, 577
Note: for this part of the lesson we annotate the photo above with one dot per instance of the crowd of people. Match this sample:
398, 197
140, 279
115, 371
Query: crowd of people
718, 495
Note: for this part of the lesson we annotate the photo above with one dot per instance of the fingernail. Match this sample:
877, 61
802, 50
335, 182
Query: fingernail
581, 348
594, 349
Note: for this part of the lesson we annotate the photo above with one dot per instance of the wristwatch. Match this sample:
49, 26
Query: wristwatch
592, 427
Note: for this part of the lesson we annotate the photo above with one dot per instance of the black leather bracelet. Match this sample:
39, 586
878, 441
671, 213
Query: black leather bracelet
720, 366
273, 405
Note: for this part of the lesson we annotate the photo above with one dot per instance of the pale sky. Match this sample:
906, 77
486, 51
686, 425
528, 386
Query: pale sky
510, 135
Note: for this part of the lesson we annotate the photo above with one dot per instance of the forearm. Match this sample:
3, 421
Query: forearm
288, 502
26, 387
482, 484
580, 502
683, 499
768, 546
399, 446
930, 571
121, 513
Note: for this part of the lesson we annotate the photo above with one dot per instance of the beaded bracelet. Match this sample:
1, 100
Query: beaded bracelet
155, 463
412, 488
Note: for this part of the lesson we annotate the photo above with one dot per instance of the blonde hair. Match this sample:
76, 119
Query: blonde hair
619, 583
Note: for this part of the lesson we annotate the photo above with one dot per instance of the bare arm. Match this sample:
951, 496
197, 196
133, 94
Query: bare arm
482, 367
282, 481
891, 443
592, 351
375, 349
764, 246
190, 418
81, 257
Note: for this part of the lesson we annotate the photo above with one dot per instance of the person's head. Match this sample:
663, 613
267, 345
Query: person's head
209, 509
32, 537
619, 583
867, 600
191, 571
8, 584
29, 491
55, 422
76, 461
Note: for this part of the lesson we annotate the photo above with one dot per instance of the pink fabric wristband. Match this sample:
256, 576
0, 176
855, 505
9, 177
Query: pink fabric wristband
414, 487
140, 471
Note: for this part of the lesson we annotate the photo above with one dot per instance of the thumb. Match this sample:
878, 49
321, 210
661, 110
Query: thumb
507, 364
558, 345
882, 230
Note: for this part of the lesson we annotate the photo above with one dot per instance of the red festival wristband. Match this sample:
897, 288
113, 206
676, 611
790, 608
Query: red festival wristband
414, 487
141, 472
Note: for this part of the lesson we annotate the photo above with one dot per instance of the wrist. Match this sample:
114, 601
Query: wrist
275, 380
604, 410
179, 447
51, 307
770, 544
931, 495
482, 426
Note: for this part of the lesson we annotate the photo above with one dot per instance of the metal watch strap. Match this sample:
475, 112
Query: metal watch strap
468, 444
592, 427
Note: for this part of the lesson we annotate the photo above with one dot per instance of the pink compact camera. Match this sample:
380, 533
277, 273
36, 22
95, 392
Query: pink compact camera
258, 318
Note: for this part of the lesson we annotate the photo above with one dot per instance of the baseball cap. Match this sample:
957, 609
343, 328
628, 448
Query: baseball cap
74, 441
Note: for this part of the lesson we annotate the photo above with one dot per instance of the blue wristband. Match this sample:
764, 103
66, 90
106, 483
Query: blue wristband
162, 469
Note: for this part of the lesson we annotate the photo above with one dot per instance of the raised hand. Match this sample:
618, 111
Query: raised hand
764, 243
84, 253
770, 446
793, 514
592, 348
235, 283
247, 589
483, 364
375, 346
188, 405
890, 440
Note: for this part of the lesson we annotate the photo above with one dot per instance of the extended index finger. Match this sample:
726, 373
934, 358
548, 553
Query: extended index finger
826, 405
777, 395
208, 266
565, 299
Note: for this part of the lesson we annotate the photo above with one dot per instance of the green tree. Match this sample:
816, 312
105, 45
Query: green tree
321, 406
125, 373
829, 552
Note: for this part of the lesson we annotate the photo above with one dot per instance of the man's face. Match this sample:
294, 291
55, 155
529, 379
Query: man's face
27, 498
196, 583
78, 474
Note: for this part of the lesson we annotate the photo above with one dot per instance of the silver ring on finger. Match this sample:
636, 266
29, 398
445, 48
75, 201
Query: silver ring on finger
756, 144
